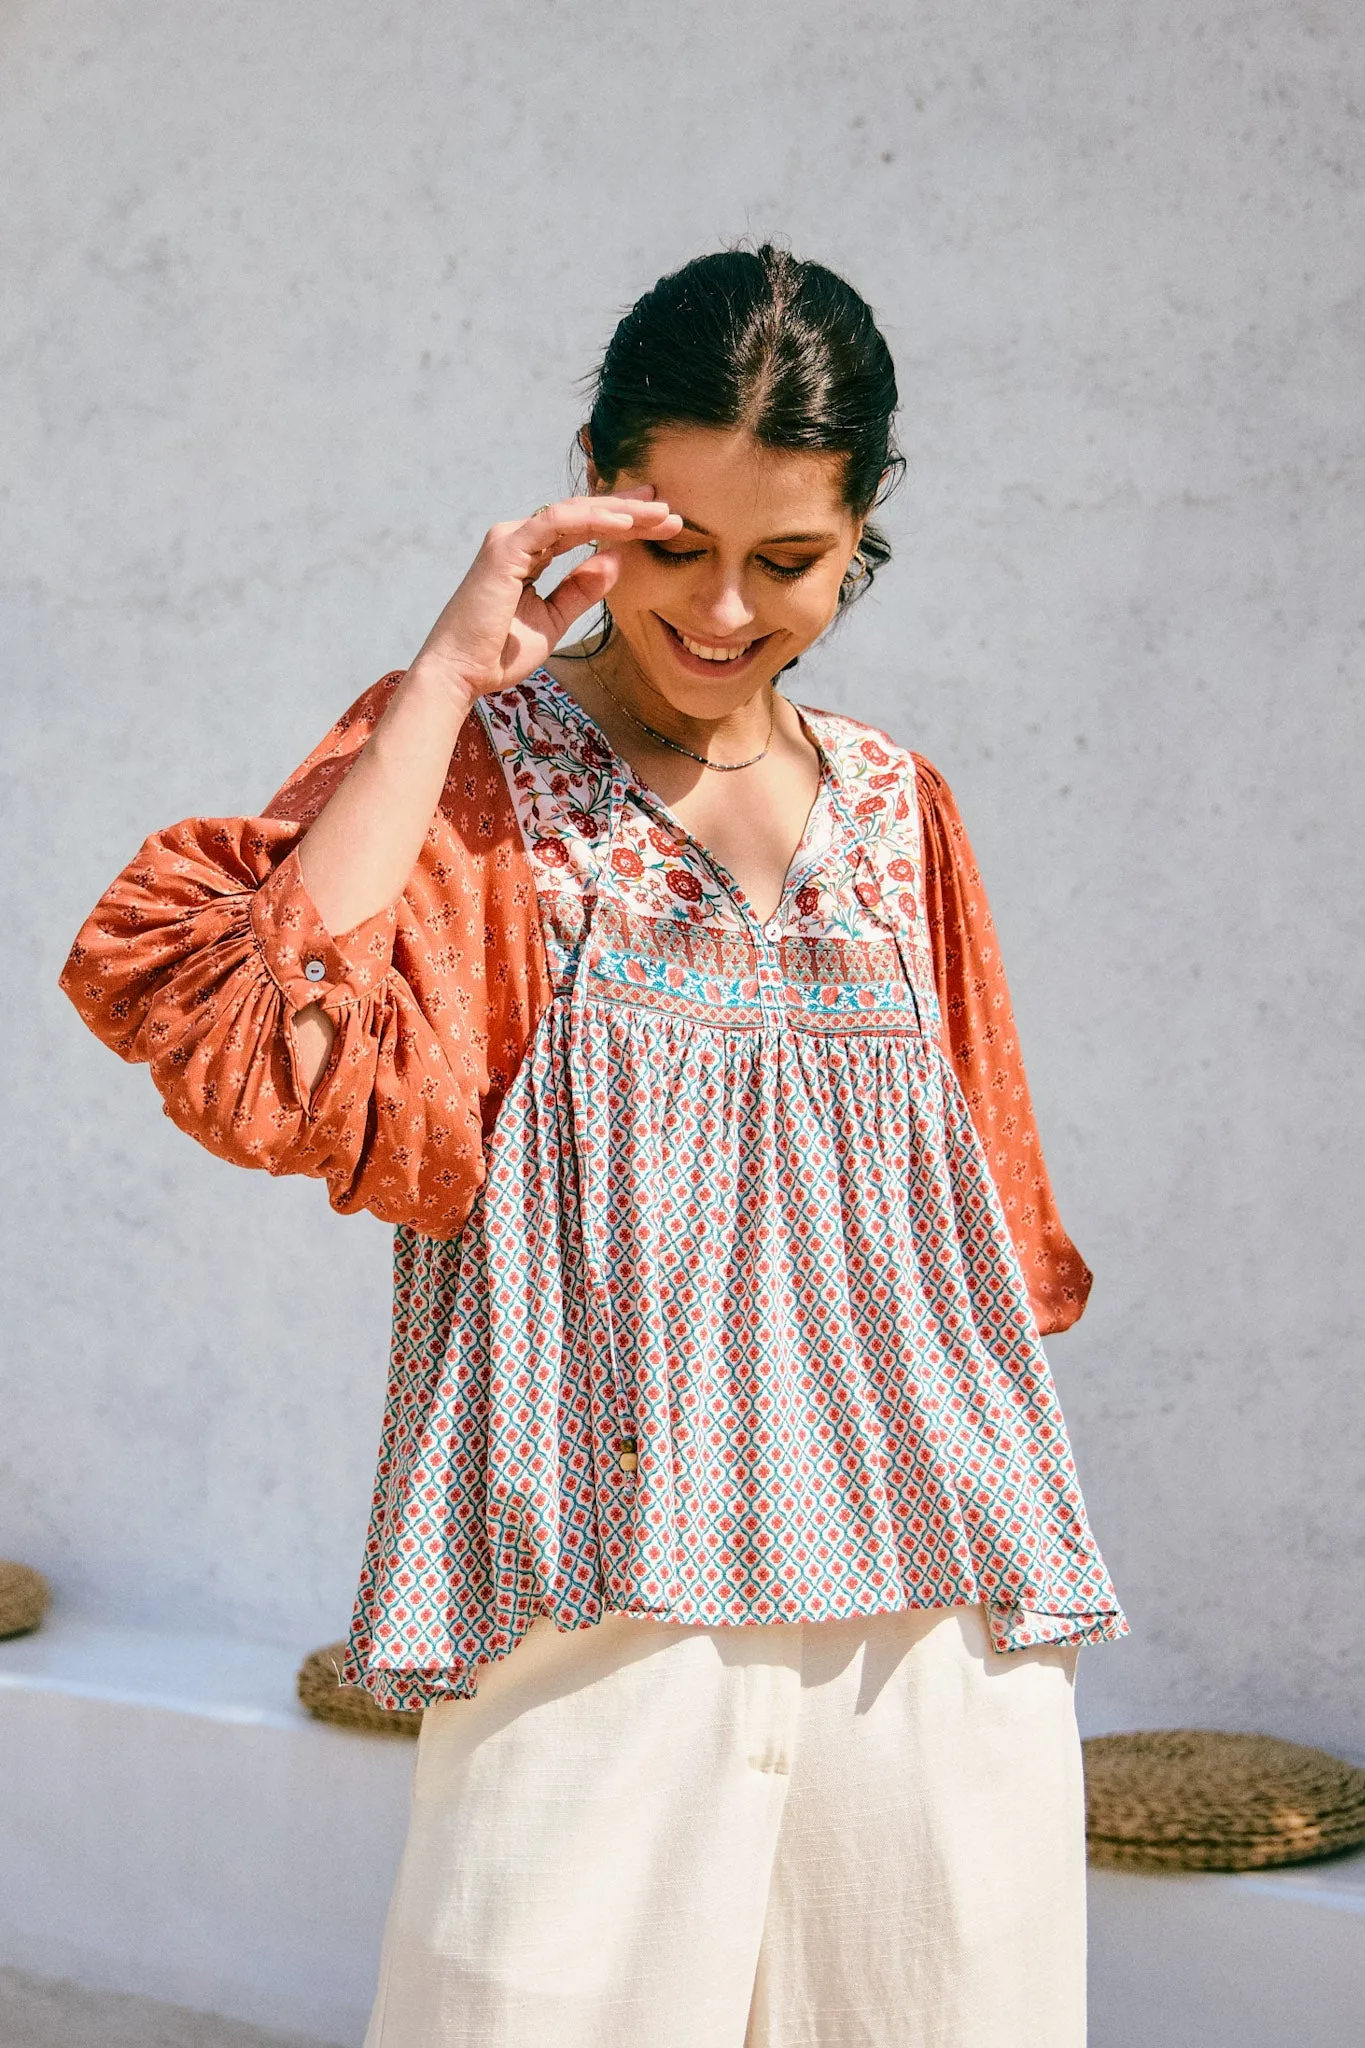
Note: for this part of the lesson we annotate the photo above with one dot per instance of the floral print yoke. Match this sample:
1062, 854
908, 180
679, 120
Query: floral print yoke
724, 1245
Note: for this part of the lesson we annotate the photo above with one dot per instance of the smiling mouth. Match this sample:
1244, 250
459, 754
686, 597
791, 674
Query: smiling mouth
708, 650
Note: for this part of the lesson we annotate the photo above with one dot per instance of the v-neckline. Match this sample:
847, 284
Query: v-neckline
797, 866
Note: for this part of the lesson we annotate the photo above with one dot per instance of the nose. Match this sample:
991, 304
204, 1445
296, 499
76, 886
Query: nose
722, 607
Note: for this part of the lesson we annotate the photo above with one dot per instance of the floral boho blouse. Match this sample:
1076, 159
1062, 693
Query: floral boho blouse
723, 1248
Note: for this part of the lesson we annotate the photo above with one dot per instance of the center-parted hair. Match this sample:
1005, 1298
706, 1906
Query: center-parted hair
756, 339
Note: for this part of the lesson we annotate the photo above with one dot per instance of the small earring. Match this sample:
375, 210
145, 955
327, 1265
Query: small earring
852, 575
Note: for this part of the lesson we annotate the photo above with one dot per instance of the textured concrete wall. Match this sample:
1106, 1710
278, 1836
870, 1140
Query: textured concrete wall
295, 302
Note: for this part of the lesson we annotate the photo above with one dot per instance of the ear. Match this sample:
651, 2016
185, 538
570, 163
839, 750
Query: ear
594, 475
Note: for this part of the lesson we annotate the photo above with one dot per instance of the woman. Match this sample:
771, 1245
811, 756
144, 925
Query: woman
725, 1523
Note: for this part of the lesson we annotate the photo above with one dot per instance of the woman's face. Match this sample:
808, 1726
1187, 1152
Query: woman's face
753, 578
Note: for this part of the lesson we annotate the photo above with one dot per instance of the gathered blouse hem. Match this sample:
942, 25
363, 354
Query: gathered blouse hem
400, 1688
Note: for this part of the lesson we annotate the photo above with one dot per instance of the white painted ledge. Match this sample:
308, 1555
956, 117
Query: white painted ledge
1268, 1959
173, 1825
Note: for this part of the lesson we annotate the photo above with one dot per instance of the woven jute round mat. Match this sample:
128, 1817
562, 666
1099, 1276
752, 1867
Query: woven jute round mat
1193, 1799
321, 1691
24, 1598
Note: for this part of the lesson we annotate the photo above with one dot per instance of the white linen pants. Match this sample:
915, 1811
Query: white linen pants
861, 1834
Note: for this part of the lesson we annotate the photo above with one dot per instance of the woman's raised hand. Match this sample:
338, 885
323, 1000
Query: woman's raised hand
497, 627
358, 854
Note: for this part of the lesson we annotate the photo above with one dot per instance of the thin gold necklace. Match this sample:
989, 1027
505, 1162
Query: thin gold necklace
721, 767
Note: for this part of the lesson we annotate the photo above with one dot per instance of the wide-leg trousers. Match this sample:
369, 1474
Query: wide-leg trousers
854, 1834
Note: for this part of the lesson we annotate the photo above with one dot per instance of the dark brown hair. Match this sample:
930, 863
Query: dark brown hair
758, 339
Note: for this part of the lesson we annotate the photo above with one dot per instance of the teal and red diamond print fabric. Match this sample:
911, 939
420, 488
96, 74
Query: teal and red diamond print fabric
735, 1208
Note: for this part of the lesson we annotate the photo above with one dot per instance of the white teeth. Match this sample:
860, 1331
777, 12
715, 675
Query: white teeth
714, 653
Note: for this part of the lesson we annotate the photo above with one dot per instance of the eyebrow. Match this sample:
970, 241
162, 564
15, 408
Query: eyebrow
777, 540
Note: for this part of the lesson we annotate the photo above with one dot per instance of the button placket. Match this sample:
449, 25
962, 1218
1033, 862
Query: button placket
589, 1156
772, 994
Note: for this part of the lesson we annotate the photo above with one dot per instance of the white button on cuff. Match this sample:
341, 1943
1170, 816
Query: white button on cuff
315, 971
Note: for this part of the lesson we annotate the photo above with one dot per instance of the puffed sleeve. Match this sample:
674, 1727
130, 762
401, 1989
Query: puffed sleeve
983, 1044
199, 956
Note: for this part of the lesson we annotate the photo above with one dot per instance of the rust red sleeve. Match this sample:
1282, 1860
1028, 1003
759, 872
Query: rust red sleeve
983, 1044
199, 955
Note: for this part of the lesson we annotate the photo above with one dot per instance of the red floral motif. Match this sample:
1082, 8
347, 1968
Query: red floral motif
808, 900
878, 756
685, 884
901, 870
870, 806
627, 861
584, 822
553, 851
661, 841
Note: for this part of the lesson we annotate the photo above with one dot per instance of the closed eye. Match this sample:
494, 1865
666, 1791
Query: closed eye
786, 571
663, 554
